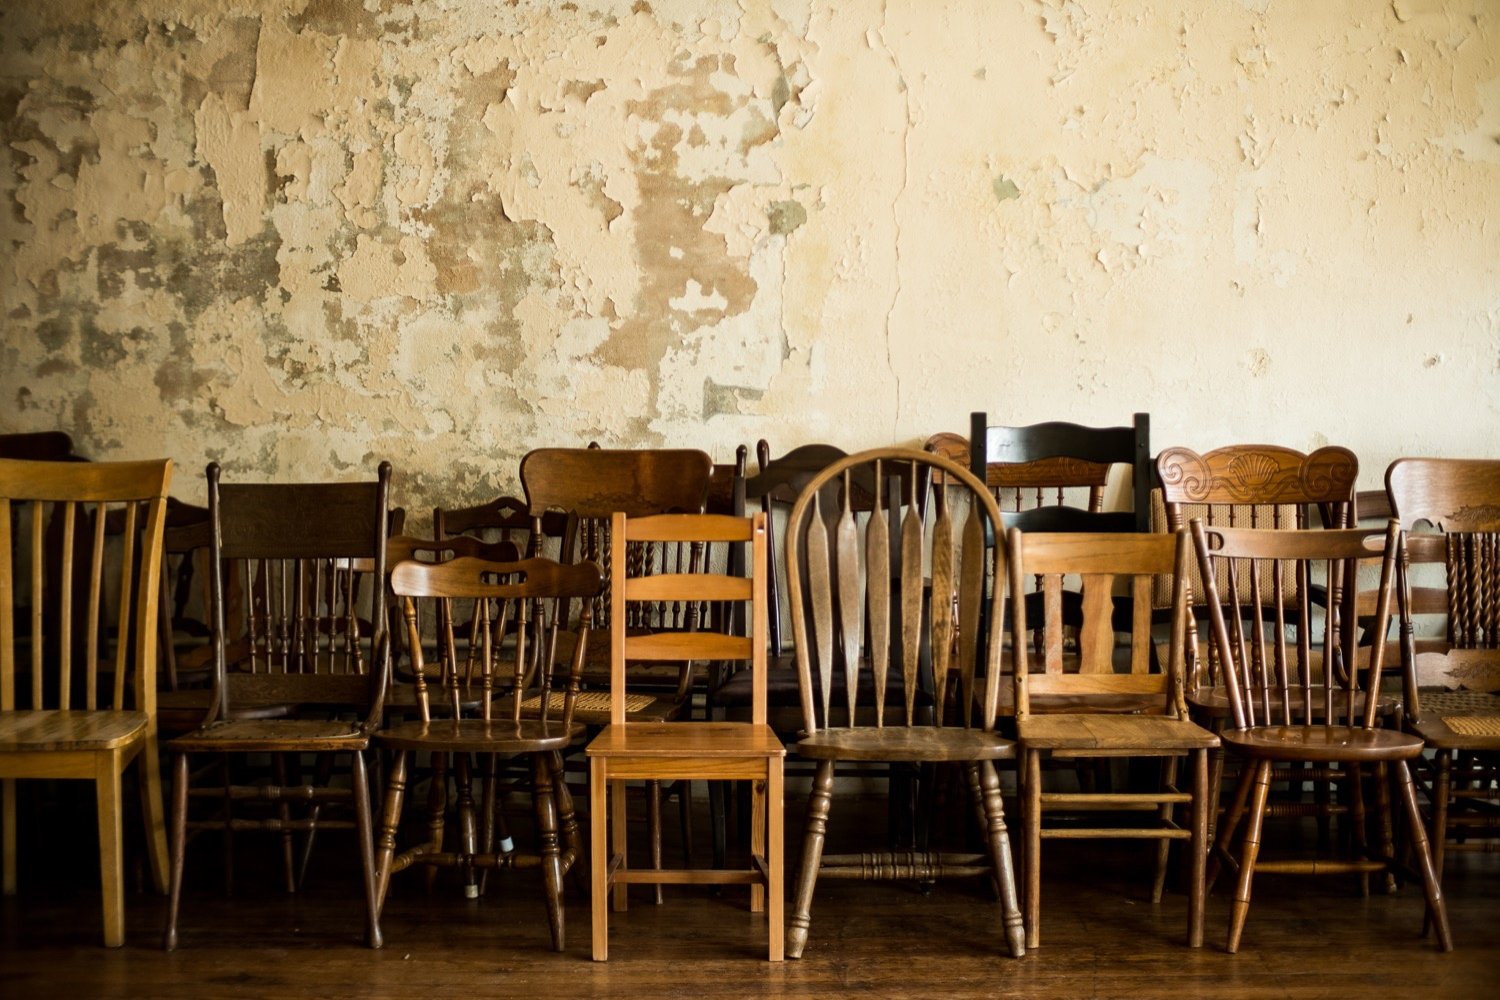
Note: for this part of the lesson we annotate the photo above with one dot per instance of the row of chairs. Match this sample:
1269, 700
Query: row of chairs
905, 600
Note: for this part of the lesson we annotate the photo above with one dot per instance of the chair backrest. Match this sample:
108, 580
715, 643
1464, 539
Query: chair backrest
1283, 664
696, 586
1049, 458
1449, 512
861, 607
1256, 486
39, 446
503, 519
298, 550
53, 551
495, 599
1104, 562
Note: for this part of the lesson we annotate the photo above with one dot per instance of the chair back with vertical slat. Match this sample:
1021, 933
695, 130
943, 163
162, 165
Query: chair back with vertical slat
695, 586
1283, 664
887, 607
88, 636
303, 635
473, 604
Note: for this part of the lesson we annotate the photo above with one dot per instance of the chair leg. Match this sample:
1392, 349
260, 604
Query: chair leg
1031, 853
437, 805
1358, 823
468, 832
1203, 807
1387, 831
619, 837
718, 818
1431, 886
984, 780
149, 763
179, 846
1224, 835
1251, 850
758, 803
775, 850
1167, 782
1442, 789
360, 782
390, 820
111, 854
284, 816
818, 803
567, 818
653, 831
546, 825
599, 858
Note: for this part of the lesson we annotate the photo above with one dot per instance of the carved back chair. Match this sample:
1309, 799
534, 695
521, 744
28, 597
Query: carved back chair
1161, 730
1299, 694
71, 707
485, 711
503, 519
1448, 580
298, 549
890, 613
713, 750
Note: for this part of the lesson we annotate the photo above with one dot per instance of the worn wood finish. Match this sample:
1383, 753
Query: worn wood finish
1449, 511
88, 710
1248, 637
907, 632
687, 751
301, 549
496, 599
1102, 560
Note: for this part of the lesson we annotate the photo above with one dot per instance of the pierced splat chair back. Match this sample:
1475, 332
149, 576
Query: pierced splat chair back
874, 641
503, 519
303, 636
471, 605
1284, 664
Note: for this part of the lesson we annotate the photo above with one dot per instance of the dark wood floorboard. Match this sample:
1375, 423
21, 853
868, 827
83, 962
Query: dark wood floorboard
1101, 935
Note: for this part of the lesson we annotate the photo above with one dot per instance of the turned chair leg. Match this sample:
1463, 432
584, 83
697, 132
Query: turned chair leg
360, 782
1031, 852
1251, 850
1203, 808
179, 846
389, 822
798, 924
984, 782
546, 824
1437, 909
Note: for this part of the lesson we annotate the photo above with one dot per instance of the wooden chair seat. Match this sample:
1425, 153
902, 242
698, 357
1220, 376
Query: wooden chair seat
182, 710
1324, 743
473, 735
277, 735
1093, 733
1464, 728
906, 744
52, 730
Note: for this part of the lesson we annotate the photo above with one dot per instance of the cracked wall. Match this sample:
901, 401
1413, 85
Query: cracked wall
296, 236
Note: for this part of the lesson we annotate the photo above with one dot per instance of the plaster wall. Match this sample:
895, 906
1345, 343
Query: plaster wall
298, 236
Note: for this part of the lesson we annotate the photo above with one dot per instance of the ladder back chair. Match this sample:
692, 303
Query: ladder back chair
483, 717
1103, 561
1448, 582
713, 751
1290, 706
70, 706
863, 610
299, 549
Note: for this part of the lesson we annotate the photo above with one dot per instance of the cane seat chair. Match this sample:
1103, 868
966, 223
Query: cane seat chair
1448, 580
686, 750
70, 707
1103, 562
299, 549
1265, 641
864, 608
488, 596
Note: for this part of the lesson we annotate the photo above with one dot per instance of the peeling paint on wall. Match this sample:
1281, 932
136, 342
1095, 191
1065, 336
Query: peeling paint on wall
300, 235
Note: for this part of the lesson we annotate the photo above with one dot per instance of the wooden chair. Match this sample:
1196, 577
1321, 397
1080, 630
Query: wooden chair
503, 519
39, 446
494, 593
298, 548
871, 628
714, 751
1290, 707
1449, 511
88, 717
1102, 561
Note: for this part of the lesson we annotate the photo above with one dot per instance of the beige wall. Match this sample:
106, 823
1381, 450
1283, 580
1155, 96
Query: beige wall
300, 235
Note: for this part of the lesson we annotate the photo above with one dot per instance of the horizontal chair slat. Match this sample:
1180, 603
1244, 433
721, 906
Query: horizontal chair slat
684, 587
687, 646
689, 528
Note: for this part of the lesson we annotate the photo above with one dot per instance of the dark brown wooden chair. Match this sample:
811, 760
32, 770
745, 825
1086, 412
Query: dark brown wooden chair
668, 751
299, 549
1448, 578
888, 628
503, 519
488, 595
90, 710
39, 446
1291, 707
1104, 563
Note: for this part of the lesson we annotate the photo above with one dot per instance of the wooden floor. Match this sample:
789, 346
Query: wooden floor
1101, 936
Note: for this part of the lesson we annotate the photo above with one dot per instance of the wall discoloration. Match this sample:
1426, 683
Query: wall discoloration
299, 235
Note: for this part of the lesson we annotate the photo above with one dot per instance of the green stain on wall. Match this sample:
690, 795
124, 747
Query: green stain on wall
1005, 189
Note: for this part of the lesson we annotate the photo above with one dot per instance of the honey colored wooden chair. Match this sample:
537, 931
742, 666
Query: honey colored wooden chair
1448, 577
666, 751
863, 609
488, 596
1102, 561
1289, 706
89, 710
300, 549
